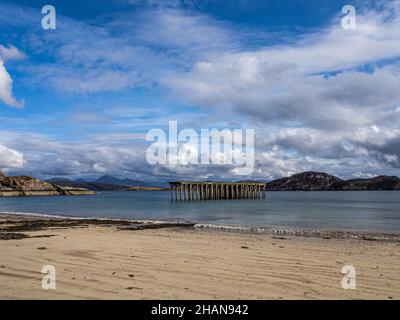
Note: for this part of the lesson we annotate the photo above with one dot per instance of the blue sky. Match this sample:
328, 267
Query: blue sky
77, 101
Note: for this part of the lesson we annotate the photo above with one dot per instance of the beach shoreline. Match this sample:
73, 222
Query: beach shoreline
102, 259
257, 230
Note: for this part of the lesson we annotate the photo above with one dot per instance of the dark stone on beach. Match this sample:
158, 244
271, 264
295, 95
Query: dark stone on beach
19, 225
131, 288
41, 248
43, 236
12, 236
144, 226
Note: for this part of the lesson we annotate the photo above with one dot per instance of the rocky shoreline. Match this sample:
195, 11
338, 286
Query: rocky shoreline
13, 226
28, 186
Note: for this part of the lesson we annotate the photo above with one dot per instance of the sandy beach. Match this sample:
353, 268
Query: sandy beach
101, 261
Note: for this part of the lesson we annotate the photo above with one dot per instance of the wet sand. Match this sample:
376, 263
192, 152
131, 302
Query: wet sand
107, 260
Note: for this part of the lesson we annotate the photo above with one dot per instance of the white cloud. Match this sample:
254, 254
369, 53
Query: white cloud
98, 167
10, 158
316, 82
11, 53
6, 82
168, 3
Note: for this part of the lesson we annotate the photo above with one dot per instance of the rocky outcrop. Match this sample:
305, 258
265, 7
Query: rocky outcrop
377, 183
28, 186
319, 181
306, 181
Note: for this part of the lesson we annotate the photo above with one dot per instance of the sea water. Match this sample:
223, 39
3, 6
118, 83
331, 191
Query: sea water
373, 211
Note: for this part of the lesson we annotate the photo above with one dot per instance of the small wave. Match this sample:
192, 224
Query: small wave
245, 229
326, 234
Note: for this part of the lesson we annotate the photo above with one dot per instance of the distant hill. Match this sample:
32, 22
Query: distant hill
377, 183
107, 183
94, 186
319, 181
121, 182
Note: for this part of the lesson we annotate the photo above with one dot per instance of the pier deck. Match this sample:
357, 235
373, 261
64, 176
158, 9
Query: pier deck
208, 190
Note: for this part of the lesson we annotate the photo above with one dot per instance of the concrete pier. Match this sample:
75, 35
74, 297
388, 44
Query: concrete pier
192, 190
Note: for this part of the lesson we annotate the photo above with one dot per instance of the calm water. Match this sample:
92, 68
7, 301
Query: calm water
368, 211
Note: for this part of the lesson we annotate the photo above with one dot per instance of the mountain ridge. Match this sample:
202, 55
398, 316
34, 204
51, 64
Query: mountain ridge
106, 183
107, 179
320, 181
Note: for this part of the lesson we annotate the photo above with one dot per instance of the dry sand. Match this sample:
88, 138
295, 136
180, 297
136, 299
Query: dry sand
102, 262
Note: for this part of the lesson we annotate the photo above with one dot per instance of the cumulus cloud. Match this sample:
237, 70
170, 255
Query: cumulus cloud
131, 50
315, 100
10, 158
6, 82
317, 82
